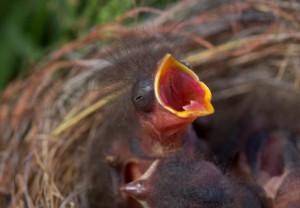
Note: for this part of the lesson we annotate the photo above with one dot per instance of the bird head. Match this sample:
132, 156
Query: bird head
170, 99
177, 181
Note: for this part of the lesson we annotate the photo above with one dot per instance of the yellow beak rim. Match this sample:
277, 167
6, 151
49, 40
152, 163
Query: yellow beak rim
202, 109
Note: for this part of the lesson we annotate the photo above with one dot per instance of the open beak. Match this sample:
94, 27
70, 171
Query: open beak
179, 90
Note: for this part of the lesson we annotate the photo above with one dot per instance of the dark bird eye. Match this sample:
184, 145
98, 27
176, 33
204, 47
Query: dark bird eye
143, 95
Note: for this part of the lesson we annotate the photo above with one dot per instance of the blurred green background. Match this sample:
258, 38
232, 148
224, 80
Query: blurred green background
29, 29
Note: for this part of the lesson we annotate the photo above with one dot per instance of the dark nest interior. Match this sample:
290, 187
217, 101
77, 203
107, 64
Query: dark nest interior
60, 126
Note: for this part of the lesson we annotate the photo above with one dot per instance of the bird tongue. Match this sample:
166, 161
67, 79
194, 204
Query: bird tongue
194, 106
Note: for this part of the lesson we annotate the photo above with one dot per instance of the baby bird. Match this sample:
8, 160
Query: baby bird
167, 96
187, 179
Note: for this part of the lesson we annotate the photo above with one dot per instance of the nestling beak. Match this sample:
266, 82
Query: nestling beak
141, 188
179, 90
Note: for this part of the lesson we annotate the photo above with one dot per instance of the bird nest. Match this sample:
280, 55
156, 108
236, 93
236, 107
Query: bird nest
58, 123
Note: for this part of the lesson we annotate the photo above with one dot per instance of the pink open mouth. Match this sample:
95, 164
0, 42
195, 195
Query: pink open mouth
179, 90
